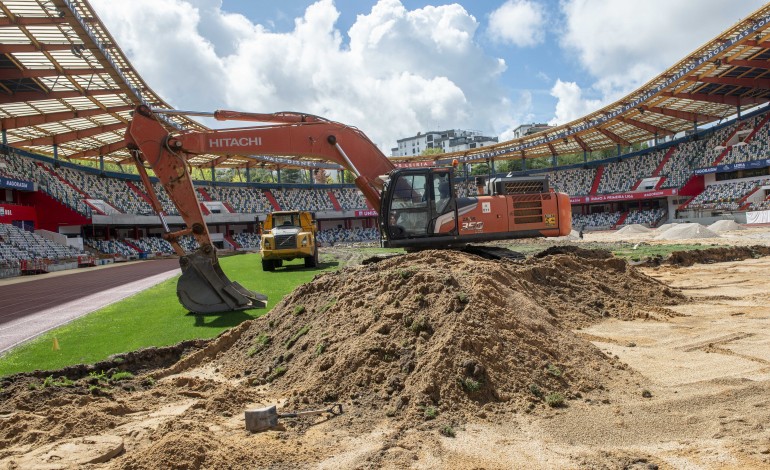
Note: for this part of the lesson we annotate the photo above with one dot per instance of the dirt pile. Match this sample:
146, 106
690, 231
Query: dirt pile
634, 229
716, 255
725, 226
443, 332
686, 232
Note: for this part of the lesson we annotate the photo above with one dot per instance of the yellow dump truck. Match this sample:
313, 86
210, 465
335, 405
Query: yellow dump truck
287, 235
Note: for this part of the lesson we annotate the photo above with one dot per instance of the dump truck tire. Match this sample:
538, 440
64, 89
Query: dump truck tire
268, 265
312, 261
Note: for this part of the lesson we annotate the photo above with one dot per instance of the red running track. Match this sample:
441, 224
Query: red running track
20, 299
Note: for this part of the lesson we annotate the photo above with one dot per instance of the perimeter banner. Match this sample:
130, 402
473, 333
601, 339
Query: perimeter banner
624, 196
752, 164
367, 213
10, 183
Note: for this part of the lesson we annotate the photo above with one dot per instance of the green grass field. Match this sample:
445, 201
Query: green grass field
154, 318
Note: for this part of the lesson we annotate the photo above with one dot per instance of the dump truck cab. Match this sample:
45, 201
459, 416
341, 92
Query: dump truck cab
287, 235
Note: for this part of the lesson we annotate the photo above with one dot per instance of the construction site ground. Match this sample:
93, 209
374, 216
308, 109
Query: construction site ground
571, 358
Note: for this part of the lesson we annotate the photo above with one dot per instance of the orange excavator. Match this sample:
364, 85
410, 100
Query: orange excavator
418, 207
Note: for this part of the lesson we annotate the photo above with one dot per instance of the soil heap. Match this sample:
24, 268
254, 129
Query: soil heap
445, 331
634, 229
725, 226
686, 232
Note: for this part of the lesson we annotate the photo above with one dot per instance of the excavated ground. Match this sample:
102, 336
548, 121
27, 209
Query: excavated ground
418, 348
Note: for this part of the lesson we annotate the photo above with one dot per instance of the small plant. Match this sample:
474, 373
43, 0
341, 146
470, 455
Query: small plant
535, 390
148, 382
302, 332
328, 305
470, 384
447, 431
277, 372
462, 297
61, 382
430, 412
270, 324
320, 348
100, 376
554, 400
299, 310
122, 375
553, 370
406, 273
421, 324
97, 390
260, 342
118, 360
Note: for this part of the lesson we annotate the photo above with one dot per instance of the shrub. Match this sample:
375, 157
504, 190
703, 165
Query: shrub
470, 385
553, 370
430, 412
535, 390
555, 400
447, 431
299, 310
462, 297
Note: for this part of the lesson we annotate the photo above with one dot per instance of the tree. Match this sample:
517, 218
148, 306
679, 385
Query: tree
291, 175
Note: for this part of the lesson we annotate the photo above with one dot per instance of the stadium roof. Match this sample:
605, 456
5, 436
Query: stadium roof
66, 87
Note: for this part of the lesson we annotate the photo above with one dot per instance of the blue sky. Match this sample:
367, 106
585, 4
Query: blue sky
397, 67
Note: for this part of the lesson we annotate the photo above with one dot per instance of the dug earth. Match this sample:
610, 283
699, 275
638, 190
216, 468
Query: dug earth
570, 358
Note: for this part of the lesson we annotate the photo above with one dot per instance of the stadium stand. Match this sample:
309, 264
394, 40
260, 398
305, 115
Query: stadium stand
620, 177
349, 198
309, 199
247, 241
647, 217
23, 244
575, 182
337, 236
242, 200
597, 220
726, 196
111, 247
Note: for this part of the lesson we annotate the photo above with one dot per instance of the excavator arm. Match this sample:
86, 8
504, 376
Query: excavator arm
203, 286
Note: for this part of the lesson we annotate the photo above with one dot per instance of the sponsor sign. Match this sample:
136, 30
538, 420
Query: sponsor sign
367, 213
624, 196
414, 164
750, 165
21, 185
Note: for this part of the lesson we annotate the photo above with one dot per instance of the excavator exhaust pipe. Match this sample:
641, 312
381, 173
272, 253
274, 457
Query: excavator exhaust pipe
205, 288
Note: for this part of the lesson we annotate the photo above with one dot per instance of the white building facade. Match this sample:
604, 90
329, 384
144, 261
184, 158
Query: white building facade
453, 140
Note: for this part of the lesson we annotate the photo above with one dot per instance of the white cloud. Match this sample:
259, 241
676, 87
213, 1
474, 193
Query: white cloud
401, 71
625, 44
518, 22
570, 102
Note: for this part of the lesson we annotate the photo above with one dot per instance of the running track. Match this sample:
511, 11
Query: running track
35, 305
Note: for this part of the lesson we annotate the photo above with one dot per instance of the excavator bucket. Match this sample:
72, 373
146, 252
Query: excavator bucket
204, 287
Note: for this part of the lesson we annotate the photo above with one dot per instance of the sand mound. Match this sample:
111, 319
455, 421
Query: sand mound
633, 229
686, 232
725, 226
443, 330
665, 227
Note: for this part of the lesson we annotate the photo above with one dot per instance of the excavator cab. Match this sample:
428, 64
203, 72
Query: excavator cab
418, 206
